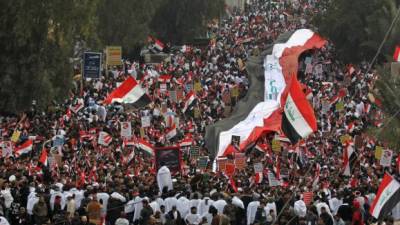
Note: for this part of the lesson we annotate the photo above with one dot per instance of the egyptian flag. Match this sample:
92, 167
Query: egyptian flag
24, 148
298, 119
145, 146
349, 158
387, 197
396, 56
43, 157
129, 92
190, 100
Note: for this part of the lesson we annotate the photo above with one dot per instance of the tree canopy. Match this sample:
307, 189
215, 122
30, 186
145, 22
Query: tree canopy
38, 39
358, 27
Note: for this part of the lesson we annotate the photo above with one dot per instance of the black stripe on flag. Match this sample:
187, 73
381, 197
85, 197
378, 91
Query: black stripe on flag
289, 130
143, 101
352, 161
390, 204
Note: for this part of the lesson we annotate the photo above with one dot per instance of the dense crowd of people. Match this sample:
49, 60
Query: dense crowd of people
88, 183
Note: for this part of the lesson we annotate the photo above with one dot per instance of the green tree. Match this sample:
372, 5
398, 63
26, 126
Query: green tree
37, 39
387, 90
125, 23
358, 27
179, 21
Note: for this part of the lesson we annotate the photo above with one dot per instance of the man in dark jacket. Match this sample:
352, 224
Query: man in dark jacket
174, 217
115, 207
146, 213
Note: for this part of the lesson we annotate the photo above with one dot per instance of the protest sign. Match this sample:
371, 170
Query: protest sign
222, 164
318, 69
92, 65
345, 138
378, 152
170, 157
142, 134
196, 112
240, 161
194, 151
197, 86
202, 162
146, 121
276, 145
58, 140
113, 55
126, 129
7, 149
163, 87
386, 158
15, 136
235, 91
339, 106
273, 182
258, 167
172, 96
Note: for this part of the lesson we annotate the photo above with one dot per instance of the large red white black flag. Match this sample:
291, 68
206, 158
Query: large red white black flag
387, 197
298, 119
129, 92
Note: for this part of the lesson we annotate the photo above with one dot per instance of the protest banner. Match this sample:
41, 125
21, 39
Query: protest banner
92, 65
258, 167
126, 129
170, 157
113, 55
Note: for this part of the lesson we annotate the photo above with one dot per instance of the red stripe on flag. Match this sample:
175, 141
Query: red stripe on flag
122, 90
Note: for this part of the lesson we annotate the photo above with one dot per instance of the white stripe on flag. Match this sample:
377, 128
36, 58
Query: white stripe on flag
296, 119
132, 96
384, 196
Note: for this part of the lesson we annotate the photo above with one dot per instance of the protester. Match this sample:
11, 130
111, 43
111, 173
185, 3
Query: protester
58, 170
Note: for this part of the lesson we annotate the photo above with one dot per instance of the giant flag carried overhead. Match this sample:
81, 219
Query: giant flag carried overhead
129, 92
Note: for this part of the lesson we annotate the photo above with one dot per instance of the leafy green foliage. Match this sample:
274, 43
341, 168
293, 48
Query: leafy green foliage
358, 27
180, 21
387, 90
37, 38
